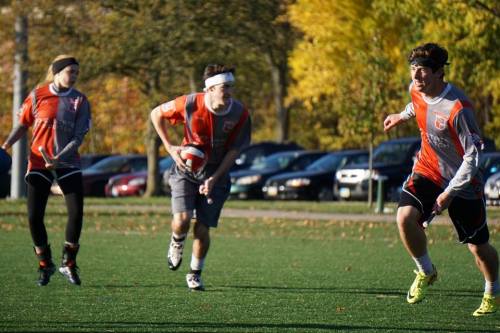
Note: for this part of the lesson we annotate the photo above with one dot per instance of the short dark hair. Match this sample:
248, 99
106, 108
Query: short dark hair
430, 55
215, 69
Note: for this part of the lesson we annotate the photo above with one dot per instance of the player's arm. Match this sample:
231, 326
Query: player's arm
470, 140
161, 125
82, 126
467, 132
14, 135
395, 119
241, 140
26, 118
224, 166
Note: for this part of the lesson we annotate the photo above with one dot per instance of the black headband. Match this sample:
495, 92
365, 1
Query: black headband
59, 65
426, 62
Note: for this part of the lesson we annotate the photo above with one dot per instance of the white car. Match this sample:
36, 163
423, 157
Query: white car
492, 190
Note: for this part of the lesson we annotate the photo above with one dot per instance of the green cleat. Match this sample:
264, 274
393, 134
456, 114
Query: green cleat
418, 288
488, 306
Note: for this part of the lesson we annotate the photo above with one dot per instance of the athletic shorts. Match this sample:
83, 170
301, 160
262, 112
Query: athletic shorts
68, 179
468, 216
187, 198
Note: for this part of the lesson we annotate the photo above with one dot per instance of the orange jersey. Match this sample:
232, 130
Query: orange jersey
60, 121
451, 141
215, 132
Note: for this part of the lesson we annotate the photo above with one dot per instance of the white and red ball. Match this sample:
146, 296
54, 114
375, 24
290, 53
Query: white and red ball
194, 158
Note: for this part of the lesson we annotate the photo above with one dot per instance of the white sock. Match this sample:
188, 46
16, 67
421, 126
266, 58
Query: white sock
491, 288
197, 263
424, 264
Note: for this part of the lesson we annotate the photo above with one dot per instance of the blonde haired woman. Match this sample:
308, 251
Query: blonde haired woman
60, 116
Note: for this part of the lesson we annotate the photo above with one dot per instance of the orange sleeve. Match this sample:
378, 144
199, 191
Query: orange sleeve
173, 110
26, 117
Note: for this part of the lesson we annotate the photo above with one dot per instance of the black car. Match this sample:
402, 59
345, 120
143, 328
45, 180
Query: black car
316, 181
392, 161
256, 152
246, 184
87, 160
96, 176
490, 164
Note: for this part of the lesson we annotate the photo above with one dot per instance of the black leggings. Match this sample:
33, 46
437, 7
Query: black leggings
39, 183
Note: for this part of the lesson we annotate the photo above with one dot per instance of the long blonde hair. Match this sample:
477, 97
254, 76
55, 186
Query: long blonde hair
49, 77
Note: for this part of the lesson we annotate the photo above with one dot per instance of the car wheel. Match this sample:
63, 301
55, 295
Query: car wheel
325, 194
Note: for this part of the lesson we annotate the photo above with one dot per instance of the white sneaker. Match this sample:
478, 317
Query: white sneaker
174, 256
194, 282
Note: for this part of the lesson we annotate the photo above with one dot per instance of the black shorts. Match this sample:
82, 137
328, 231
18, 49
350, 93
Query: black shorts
68, 179
468, 216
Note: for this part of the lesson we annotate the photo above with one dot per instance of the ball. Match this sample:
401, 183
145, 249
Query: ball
194, 158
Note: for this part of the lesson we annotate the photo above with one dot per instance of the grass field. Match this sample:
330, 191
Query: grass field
262, 275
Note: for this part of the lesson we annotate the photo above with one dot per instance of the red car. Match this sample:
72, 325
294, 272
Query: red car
133, 184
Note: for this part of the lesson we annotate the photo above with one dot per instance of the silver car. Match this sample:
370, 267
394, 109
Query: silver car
492, 190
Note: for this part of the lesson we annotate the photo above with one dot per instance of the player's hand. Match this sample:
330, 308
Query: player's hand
391, 121
442, 203
206, 187
52, 163
175, 152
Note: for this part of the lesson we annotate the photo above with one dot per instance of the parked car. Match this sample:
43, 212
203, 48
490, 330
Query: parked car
392, 160
246, 184
5, 165
4, 184
87, 160
490, 164
134, 183
256, 152
492, 190
96, 176
314, 182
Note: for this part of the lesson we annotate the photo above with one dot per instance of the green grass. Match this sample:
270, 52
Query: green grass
262, 275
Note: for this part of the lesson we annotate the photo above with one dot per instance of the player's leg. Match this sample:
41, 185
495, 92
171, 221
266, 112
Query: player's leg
207, 216
201, 244
184, 193
486, 258
70, 181
411, 233
180, 227
415, 206
469, 219
38, 190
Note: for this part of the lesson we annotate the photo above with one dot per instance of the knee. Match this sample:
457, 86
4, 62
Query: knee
482, 250
183, 218
405, 218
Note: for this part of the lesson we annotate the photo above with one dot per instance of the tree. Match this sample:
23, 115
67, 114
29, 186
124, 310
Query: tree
469, 30
350, 58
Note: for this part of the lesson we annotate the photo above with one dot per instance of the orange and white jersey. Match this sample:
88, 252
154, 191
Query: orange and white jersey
216, 133
451, 141
60, 121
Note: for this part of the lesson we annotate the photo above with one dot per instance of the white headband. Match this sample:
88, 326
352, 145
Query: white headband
218, 79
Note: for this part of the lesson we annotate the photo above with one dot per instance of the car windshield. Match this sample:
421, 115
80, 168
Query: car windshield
111, 164
391, 153
274, 162
326, 163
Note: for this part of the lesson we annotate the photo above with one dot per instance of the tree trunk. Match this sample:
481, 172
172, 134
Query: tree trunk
152, 143
153, 153
279, 88
19, 150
